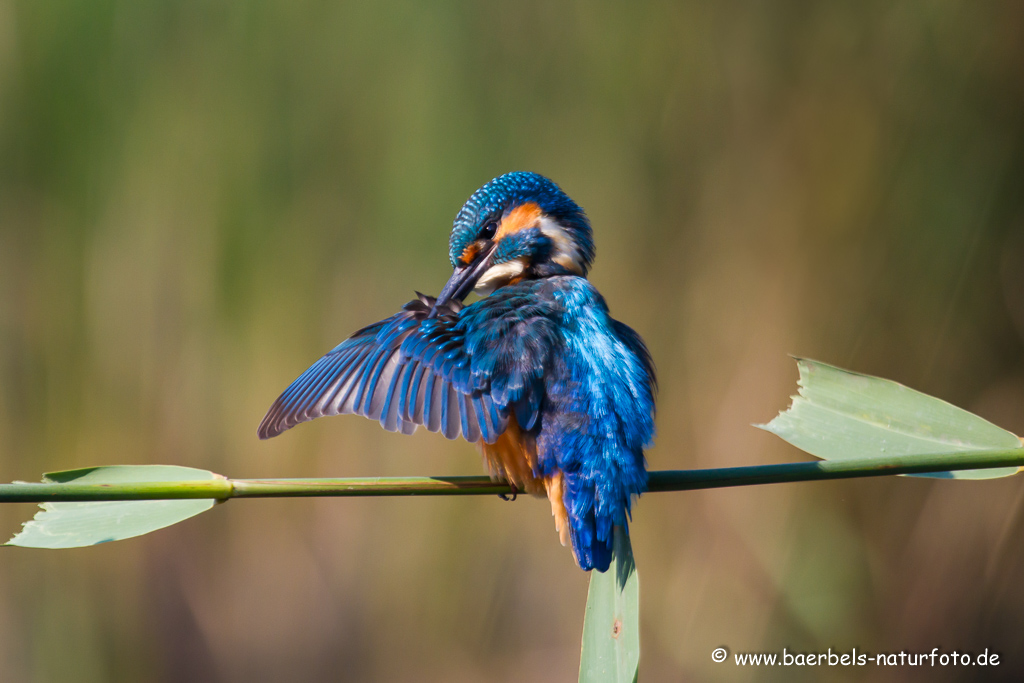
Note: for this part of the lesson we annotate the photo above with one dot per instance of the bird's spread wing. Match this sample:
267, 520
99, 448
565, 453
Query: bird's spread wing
461, 372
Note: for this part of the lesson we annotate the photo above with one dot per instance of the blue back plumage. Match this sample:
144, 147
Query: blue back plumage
598, 418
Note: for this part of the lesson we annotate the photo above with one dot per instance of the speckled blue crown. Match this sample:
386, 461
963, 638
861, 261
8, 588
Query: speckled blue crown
492, 200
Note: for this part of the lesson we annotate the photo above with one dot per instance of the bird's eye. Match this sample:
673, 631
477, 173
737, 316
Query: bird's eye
487, 232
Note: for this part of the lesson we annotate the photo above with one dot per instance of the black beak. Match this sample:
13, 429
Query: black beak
462, 281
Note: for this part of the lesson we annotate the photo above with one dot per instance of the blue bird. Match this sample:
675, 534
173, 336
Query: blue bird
558, 395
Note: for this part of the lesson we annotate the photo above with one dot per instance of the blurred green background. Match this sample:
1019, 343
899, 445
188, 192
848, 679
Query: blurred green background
197, 199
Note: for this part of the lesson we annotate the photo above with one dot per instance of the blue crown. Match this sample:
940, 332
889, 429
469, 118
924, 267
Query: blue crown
508, 191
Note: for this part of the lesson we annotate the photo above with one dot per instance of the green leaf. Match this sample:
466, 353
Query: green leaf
72, 525
611, 627
840, 414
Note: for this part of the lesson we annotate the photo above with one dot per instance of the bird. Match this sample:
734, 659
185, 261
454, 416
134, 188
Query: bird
558, 395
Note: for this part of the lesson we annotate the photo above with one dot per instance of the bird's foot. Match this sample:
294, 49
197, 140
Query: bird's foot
515, 493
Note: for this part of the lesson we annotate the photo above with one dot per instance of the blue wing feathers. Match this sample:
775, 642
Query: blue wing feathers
458, 373
419, 396
338, 397
442, 404
313, 377
468, 423
405, 387
370, 370
452, 421
389, 418
374, 394
483, 418
431, 403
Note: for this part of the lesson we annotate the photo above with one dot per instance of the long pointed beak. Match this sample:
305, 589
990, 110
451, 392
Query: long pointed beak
462, 281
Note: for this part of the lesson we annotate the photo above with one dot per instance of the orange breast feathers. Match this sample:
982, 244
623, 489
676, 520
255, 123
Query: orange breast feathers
512, 458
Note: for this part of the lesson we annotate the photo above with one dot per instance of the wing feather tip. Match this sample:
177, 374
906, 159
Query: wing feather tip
268, 430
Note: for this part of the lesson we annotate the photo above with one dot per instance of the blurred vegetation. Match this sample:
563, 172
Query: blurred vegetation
197, 199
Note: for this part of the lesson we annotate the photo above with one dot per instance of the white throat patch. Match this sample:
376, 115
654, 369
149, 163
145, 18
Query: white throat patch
499, 276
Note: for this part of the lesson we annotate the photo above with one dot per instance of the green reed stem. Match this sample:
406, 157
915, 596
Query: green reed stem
667, 480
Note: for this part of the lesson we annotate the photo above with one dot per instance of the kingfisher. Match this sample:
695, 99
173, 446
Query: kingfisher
558, 395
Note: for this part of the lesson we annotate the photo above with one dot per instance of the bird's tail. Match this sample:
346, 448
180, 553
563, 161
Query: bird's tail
586, 519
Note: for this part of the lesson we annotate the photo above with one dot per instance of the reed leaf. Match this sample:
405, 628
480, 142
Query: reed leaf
77, 524
840, 415
611, 625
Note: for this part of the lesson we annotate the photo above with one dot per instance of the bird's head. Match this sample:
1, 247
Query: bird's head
518, 226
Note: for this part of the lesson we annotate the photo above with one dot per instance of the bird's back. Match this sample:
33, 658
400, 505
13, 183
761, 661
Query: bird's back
596, 413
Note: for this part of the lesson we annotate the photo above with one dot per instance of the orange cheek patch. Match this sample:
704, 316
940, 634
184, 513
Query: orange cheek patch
469, 253
519, 218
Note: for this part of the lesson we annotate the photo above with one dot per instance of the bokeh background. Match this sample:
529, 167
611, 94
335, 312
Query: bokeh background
197, 199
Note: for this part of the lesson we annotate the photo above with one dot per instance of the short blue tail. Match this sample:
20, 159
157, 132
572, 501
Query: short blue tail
593, 515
